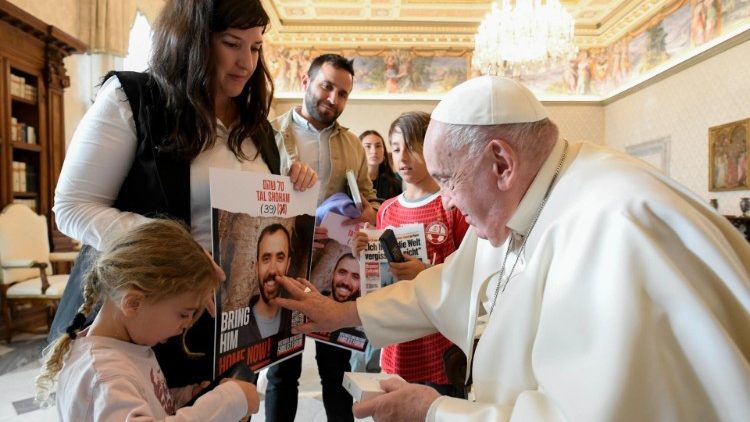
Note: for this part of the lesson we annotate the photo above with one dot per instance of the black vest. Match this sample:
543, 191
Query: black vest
159, 180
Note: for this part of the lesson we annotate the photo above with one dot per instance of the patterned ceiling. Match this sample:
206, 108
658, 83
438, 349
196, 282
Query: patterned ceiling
443, 24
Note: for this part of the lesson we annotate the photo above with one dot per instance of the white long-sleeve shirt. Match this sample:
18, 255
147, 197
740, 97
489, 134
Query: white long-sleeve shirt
105, 379
98, 161
633, 304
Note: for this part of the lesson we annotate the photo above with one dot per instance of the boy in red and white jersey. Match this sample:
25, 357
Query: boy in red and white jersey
418, 360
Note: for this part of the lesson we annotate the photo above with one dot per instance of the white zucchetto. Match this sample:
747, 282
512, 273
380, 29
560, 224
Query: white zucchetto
489, 100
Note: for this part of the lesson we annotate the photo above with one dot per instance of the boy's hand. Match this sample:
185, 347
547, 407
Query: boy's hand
359, 242
407, 270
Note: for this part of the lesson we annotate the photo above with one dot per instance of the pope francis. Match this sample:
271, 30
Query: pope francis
610, 291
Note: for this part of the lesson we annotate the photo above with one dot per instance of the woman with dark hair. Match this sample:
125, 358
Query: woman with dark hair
384, 181
144, 148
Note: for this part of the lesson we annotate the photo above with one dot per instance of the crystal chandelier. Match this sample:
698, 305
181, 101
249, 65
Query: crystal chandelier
522, 40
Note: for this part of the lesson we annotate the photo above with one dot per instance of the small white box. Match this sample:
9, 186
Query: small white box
364, 386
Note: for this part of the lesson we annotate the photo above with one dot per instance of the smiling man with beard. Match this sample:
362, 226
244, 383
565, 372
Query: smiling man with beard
268, 318
312, 134
345, 280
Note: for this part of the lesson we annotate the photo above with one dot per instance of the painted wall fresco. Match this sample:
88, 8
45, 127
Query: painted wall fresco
387, 73
667, 38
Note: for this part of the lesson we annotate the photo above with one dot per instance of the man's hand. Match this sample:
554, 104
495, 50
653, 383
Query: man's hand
302, 175
369, 215
401, 402
407, 270
323, 313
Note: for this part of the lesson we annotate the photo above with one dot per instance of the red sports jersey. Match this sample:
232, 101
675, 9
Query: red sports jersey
421, 360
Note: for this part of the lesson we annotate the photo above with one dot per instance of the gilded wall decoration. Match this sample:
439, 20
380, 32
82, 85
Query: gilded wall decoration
727, 156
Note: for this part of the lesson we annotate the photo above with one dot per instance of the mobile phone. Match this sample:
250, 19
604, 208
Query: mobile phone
390, 246
239, 371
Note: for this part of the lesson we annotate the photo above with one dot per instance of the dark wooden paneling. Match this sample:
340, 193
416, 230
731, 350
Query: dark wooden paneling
35, 50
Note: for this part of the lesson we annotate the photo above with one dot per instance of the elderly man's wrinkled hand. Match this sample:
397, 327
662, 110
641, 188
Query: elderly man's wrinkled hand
323, 313
402, 402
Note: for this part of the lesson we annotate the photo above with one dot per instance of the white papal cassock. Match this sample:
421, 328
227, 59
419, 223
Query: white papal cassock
633, 304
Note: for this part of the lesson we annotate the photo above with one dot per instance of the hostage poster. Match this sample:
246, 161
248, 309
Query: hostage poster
335, 273
261, 228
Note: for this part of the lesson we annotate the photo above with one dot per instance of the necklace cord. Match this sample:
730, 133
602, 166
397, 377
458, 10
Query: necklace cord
500, 288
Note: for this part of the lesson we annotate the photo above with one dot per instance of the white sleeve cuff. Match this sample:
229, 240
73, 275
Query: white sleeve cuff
432, 411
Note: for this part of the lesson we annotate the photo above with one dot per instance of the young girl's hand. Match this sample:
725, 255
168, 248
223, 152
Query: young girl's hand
251, 394
199, 387
359, 243
407, 270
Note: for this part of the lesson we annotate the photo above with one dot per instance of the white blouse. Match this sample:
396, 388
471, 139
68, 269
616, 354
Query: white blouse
98, 161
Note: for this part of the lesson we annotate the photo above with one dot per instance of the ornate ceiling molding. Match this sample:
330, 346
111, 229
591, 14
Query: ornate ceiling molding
437, 24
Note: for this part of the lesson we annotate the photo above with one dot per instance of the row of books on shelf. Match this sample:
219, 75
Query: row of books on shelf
20, 88
21, 132
24, 177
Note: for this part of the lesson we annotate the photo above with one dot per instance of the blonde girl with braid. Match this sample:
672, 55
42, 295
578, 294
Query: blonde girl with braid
152, 282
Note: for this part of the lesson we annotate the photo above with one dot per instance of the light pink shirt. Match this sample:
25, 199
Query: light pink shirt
104, 379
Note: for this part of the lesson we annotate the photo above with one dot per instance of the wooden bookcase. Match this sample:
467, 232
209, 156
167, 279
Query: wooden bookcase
32, 80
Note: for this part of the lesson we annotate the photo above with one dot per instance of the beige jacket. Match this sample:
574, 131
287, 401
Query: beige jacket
346, 153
